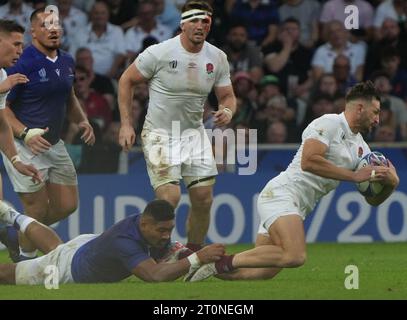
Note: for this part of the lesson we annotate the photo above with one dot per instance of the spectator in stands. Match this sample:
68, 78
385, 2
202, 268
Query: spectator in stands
72, 20
398, 76
335, 10
20, 12
243, 87
147, 26
393, 9
95, 105
261, 19
99, 83
327, 85
384, 133
337, 44
307, 13
167, 14
276, 110
121, 12
341, 71
85, 6
242, 55
105, 40
396, 105
289, 60
322, 104
220, 23
390, 37
269, 88
276, 132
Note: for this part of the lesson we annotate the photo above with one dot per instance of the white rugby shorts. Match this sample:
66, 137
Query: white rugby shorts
33, 272
170, 159
55, 166
277, 200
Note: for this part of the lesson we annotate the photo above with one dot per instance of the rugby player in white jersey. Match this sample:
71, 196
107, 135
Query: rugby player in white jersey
331, 148
11, 47
180, 72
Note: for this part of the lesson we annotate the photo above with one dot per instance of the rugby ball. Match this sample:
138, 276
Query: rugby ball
367, 188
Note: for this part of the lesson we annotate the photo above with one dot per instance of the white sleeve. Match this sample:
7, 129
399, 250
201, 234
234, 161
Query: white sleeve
321, 129
146, 62
223, 77
3, 96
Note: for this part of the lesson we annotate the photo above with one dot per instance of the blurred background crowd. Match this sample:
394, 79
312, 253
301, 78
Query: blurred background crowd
291, 61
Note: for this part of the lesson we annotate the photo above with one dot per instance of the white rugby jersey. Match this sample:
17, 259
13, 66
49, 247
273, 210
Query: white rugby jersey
180, 81
345, 149
3, 96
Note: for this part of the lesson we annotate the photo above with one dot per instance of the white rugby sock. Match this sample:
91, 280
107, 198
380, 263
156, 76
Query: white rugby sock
22, 221
28, 254
12, 214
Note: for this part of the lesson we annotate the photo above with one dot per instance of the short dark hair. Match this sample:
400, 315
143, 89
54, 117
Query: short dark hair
197, 4
34, 14
292, 20
9, 26
160, 210
363, 90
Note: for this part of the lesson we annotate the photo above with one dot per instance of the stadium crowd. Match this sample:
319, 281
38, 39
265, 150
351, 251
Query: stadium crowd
291, 61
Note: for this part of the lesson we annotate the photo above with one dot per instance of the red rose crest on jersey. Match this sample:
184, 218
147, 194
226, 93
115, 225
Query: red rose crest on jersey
360, 152
209, 68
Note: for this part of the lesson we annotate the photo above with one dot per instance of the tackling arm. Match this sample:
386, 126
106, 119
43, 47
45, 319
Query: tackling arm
150, 271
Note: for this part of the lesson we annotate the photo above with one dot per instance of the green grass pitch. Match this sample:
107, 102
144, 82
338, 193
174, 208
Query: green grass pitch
382, 275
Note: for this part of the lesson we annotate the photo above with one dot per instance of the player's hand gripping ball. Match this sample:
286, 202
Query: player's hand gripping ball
371, 188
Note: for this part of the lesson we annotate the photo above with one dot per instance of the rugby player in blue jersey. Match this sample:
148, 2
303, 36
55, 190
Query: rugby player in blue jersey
121, 251
36, 111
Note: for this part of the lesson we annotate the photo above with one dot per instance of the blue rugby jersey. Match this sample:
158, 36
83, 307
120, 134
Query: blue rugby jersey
42, 101
111, 256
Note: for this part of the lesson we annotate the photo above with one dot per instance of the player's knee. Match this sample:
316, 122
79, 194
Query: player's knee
294, 260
